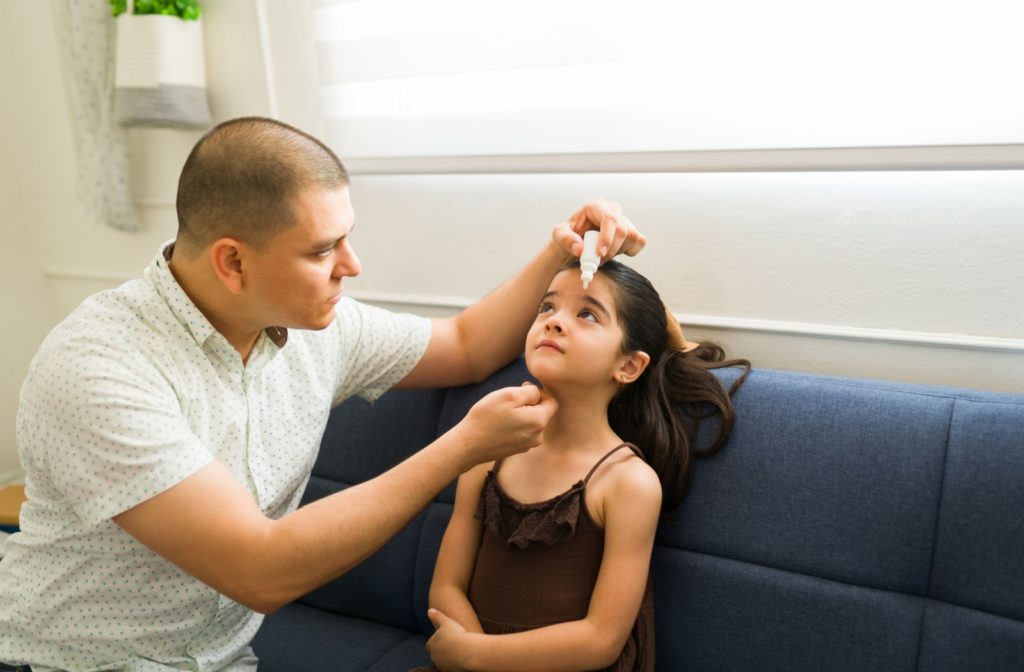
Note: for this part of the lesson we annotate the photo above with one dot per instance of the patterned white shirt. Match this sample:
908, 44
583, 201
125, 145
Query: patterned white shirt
131, 394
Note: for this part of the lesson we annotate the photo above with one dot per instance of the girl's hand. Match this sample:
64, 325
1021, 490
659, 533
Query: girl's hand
448, 647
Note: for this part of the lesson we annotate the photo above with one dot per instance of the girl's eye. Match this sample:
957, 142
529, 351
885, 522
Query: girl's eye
588, 315
545, 308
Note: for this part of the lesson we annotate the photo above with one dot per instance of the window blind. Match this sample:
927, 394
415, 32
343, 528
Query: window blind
438, 78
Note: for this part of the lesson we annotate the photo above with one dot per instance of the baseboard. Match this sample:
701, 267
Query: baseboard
13, 476
452, 305
437, 305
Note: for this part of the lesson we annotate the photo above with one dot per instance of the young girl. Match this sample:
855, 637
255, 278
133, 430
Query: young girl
557, 578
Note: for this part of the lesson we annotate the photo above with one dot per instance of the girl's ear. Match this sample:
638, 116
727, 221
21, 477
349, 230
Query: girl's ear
226, 259
632, 367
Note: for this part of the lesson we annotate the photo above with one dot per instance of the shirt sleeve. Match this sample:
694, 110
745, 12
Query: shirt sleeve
109, 428
379, 348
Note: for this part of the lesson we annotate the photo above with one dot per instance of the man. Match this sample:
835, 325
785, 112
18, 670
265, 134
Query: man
168, 427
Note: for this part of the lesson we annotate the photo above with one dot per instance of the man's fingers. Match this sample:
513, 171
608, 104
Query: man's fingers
633, 247
567, 238
546, 407
617, 233
526, 394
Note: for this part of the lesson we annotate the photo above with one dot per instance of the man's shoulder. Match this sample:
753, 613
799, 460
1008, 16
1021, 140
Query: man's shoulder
124, 319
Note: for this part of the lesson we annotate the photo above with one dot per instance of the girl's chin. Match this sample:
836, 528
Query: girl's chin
553, 381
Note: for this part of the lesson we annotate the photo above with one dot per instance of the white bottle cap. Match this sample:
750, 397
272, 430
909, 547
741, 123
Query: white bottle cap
589, 259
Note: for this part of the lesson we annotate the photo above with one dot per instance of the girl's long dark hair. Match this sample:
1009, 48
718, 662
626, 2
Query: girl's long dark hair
662, 411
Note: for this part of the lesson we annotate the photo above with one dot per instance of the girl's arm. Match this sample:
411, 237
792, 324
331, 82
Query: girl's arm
457, 556
631, 506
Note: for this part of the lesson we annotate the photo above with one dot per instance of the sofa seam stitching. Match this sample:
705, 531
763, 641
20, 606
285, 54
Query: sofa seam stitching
795, 572
893, 386
850, 584
935, 534
384, 655
416, 562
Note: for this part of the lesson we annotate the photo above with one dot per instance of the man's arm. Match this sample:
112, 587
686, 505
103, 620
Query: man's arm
489, 334
211, 527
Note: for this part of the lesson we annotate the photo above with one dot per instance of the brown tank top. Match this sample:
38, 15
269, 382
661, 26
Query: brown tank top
538, 563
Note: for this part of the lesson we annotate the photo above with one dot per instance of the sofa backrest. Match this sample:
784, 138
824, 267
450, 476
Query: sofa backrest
847, 524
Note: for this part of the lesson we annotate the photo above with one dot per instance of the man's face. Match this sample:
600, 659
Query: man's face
297, 280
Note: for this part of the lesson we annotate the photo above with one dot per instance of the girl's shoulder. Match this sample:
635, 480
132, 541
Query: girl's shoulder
624, 464
472, 480
623, 479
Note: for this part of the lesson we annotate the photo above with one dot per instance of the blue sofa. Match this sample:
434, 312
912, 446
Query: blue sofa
847, 525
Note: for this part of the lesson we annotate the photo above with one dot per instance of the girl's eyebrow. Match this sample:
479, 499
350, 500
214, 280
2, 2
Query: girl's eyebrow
586, 299
597, 304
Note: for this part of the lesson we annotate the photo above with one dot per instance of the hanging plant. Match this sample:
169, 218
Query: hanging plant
183, 9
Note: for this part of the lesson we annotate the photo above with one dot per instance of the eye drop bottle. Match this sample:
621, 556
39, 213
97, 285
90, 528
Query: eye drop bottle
589, 259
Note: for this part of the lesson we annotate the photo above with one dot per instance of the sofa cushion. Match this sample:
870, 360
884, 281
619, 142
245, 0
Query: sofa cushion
979, 551
957, 639
300, 638
714, 613
847, 525
364, 439
819, 478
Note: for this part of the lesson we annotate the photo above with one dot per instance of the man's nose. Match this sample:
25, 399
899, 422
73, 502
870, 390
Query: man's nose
348, 264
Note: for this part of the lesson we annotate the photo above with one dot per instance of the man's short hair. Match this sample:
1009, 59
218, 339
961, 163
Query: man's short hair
240, 179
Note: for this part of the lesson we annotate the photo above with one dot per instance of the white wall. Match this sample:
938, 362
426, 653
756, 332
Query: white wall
22, 297
806, 271
854, 273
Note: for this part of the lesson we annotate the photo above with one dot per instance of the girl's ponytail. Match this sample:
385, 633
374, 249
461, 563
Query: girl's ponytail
663, 410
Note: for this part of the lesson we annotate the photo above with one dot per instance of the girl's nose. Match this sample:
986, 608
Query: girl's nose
553, 325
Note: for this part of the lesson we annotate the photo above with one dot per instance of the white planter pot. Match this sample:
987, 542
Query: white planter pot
160, 75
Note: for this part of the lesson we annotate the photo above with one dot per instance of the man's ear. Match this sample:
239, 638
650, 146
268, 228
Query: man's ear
632, 367
226, 256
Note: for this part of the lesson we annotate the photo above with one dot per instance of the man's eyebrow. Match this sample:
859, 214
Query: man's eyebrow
331, 242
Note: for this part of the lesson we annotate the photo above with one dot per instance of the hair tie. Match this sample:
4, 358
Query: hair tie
676, 340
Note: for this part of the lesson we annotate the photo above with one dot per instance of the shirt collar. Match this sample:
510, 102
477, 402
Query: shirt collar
159, 273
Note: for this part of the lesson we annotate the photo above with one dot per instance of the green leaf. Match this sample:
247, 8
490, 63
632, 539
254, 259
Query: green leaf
185, 9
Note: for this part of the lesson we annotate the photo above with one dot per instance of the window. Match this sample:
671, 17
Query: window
503, 84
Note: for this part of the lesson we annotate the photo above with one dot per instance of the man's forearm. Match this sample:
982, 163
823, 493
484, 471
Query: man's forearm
513, 306
326, 538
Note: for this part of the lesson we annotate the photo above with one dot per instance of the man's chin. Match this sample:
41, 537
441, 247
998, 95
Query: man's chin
326, 321
318, 324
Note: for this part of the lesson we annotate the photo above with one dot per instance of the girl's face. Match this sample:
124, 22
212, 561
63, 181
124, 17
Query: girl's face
576, 339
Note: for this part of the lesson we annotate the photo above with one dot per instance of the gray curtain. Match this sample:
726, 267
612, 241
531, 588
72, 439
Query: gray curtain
86, 38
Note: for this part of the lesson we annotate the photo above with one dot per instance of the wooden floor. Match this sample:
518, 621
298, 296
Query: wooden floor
11, 497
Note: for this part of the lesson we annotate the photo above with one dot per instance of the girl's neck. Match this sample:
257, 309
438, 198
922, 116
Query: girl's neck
581, 422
